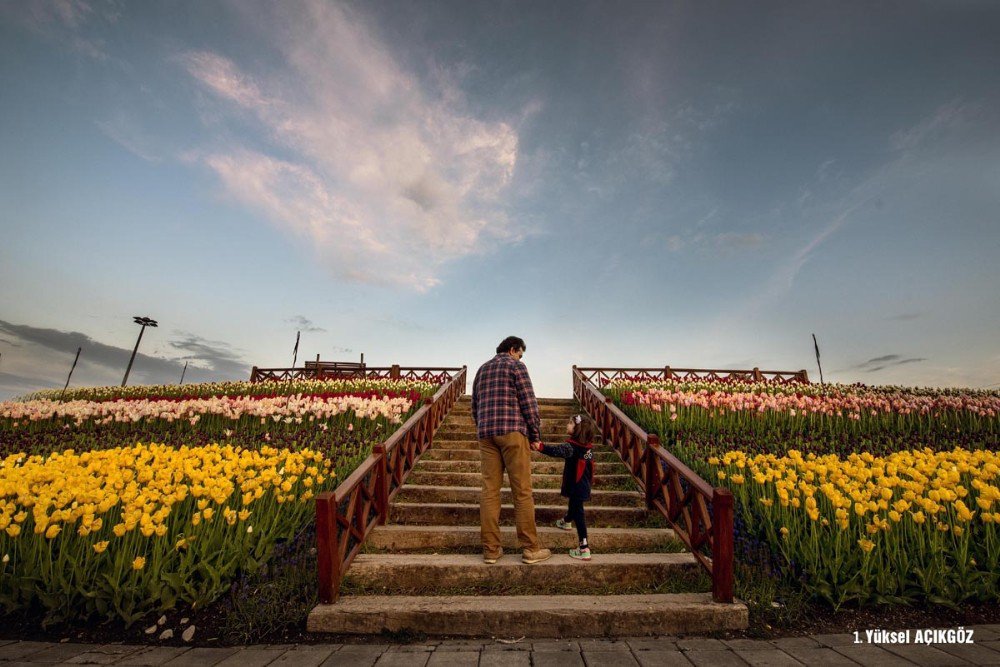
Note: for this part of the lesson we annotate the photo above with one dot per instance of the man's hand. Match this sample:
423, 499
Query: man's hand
536, 445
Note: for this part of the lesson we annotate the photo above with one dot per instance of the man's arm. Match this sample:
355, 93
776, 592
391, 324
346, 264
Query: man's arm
527, 401
475, 390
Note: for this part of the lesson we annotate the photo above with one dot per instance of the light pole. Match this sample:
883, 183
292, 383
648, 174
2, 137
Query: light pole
145, 322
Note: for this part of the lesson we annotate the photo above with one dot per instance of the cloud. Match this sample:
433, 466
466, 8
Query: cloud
885, 361
13, 384
730, 241
384, 177
675, 243
302, 323
724, 242
45, 356
906, 316
65, 22
946, 118
126, 133
216, 355
907, 145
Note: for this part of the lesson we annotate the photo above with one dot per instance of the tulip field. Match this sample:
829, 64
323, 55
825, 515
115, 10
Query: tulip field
115, 503
862, 495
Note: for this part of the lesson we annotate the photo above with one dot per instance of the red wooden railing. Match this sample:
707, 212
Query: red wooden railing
672, 488
603, 376
313, 372
346, 516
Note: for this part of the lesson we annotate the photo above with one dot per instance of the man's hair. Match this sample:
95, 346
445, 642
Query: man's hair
511, 343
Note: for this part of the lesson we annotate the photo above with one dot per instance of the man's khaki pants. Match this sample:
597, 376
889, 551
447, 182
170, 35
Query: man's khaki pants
508, 452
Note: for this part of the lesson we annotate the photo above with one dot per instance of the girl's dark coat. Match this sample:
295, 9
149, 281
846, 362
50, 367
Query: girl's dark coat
578, 474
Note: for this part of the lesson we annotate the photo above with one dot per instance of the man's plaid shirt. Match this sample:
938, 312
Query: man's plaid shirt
503, 400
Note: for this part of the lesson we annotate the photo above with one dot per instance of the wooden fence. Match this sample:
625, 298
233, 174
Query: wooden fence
346, 516
603, 376
701, 516
323, 371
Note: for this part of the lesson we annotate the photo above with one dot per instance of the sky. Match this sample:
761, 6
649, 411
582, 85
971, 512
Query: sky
621, 184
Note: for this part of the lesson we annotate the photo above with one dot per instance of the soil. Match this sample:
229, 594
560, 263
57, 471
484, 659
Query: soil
208, 622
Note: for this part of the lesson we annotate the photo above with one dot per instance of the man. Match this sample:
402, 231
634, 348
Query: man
508, 425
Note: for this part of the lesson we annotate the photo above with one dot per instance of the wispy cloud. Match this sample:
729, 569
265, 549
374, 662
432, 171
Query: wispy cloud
45, 355
886, 361
905, 145
126, 132
725, 243
214, 355
65, 22
729, 241
946, 118
303, 323
385, 177
905, 317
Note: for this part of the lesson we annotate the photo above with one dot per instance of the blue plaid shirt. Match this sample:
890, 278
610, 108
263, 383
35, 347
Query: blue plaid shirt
503, 400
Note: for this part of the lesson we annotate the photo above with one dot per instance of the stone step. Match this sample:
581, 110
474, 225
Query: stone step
538, 481
418, 574
529, 615
406, 539
467, 514
467, 400
548, 467
544, 411
412, 493
548, 422
446, 432
473, 443
472, 454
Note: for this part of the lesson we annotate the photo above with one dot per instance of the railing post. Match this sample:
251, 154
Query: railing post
757, 377
804, 374
327, 553
722, 545
381, 483
667, 373
253, 374
394, 372
652, 469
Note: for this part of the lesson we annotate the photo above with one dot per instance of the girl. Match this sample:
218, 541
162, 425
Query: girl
577, 476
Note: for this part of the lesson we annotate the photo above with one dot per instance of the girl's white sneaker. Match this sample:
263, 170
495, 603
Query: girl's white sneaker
565, 525
580, 554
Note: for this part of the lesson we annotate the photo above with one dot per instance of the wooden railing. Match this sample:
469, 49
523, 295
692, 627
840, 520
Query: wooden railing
395, 372
603, 376
346, 516
670, 487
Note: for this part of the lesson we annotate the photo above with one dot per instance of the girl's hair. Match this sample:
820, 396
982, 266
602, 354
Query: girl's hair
584, 429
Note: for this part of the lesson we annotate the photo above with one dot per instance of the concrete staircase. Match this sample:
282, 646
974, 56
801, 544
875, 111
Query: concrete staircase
423, 573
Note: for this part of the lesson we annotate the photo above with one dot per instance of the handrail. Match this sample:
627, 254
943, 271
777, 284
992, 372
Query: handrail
394, 372
605, 376
669, 485
345, 516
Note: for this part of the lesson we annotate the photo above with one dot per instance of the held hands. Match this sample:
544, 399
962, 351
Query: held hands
535, 446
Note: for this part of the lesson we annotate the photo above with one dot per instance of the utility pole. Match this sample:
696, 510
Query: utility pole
295, 352
145, 322
816, 345
70, 373
183, 372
